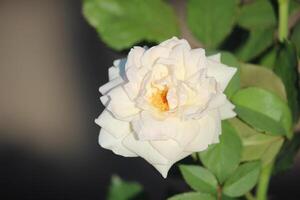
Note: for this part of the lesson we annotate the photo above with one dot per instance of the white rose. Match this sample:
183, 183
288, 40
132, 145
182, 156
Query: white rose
164, 103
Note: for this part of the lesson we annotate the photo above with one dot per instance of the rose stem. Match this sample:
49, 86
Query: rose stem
283, 19
262, 188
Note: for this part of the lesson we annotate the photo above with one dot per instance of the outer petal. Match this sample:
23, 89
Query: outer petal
174, 41
208, 127
205, 92
110, 85
148, 127
222, 73
186, 133
218, 132
217, 101
226, 111
195, 61
113, 72
104, 100
164, 169
107, 141
118, 67
152, 54
215, 57
215, 114
179, 53
145, 150
120, 64
135, 77
120, 104
134, 57
170, 149
114, 126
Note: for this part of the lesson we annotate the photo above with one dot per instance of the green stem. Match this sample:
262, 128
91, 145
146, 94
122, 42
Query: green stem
283, 19
262, 188
249, 196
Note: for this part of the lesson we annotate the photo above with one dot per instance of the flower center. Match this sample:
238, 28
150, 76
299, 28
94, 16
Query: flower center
159, 99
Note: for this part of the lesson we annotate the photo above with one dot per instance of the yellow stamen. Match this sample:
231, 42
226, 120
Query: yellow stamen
159, 99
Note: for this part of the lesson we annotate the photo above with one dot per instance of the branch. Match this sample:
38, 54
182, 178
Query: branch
180, 8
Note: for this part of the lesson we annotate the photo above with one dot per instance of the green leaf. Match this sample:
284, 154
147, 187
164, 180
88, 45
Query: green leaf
262, 147
271, 153
287, 154
122, 24
257, 15
211, 21
234, 84
259, 40
295, 38
258, 76
286, 68
294, 7
192, 196
224, 197
199, 178
263, 110
268, 60
223, 158
257, 146
121, 190
259, 18
243, 179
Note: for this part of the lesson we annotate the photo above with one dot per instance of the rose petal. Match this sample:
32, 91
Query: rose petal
168, 148
226, 110
148, 127
120, 104
164, 169
195, 61
220, 72
186, 132
135, 77
207, 130
179, 53
114, 126
120, 64
113, 73
145, 150
107, 141
215, 57
217, 101
104, 100
110, 85
174, 41
218, 132
172, 98
134, 57
152, 54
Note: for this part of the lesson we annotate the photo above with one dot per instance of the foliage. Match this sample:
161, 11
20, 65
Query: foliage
223, 158
286, 65
192, 196
199, 178
263, 110
121, 190
251, 36
122, 24
207, 13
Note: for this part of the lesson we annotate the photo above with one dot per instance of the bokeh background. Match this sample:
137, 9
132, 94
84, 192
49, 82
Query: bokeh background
51, 65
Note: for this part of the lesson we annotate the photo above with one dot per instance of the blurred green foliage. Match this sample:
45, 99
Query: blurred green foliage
265, 90
122, 190
121, 24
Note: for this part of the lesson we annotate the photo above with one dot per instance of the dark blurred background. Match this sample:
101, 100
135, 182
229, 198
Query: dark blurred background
51, 65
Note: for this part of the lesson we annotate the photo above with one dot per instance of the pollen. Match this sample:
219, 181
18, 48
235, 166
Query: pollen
159, 99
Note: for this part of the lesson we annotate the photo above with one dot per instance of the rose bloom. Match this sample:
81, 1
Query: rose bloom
164, 103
